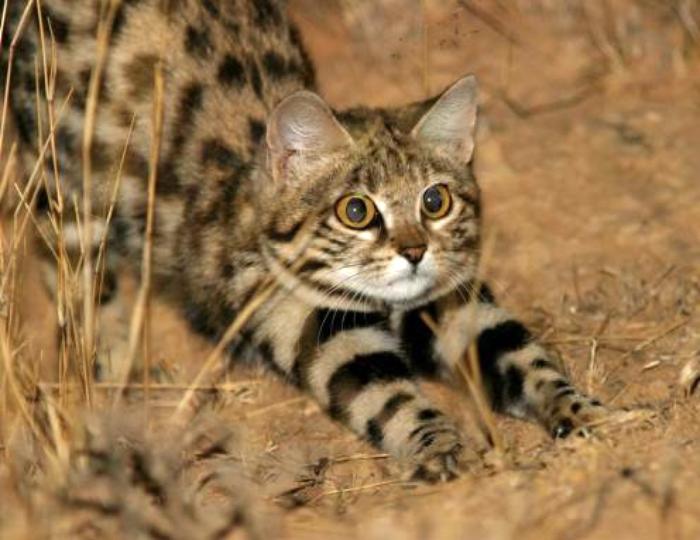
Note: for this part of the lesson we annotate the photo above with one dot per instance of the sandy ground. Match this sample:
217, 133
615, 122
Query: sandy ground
588, 160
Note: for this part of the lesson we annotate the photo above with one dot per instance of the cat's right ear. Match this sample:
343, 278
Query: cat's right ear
303, 136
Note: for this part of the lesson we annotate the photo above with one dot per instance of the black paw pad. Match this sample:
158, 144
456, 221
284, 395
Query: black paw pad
563, 429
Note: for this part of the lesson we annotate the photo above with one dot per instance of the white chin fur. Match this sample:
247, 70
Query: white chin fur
402, 282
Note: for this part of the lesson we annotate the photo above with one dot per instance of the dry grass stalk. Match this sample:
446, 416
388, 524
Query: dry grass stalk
139, 327
234, 386
10, 60
469, 374
188, 405
108, 13
468, 370
364, 487
100, 262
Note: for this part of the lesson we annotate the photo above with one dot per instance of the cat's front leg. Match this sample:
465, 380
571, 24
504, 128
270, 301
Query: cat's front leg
520, 377
355, 368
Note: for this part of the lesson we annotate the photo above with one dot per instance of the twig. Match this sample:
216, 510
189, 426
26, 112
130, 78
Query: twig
362, 488
591, 365
492, 22
359, 457
281, 404
528, 111
654, 339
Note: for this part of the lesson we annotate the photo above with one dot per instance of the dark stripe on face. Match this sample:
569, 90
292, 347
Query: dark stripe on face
418, 340
471, 242
375, 426
470, 199
325, 232
493, 343
311, 266
353, 376
332, 321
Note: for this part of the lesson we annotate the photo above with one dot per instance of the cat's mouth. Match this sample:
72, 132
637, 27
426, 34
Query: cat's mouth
408, 288
405, 283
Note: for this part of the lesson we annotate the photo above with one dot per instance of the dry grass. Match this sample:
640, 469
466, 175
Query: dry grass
589, 172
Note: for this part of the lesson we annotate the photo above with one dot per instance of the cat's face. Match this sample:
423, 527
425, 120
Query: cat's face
394, 217
402, 231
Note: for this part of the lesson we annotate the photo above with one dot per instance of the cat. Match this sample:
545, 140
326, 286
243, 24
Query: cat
368, 220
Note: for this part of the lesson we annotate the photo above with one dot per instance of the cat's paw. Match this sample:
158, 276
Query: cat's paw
576, 414
442, 456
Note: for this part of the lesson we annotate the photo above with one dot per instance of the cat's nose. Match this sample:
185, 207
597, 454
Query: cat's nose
413, 254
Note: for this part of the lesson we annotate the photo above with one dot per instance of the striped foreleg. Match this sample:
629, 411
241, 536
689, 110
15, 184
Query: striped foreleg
520, 377
361, 377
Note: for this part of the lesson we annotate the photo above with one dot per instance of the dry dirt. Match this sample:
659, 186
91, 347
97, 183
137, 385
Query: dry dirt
588, 160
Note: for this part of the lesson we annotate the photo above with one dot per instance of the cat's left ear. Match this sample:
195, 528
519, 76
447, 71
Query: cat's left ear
449, 126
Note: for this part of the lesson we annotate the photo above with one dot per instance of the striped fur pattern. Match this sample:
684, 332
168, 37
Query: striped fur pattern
252, 168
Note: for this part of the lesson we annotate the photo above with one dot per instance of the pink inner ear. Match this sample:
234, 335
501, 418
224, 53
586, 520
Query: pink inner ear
450, 123
301, 132
304, 122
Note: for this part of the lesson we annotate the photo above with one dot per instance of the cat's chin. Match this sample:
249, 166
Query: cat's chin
405, 290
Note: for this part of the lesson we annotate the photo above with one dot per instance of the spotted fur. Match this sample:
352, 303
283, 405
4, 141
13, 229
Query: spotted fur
251, 168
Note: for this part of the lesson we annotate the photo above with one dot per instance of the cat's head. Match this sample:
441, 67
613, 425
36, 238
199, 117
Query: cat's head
374, 205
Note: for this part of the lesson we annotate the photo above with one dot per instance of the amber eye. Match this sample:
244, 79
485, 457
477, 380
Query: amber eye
436, 201
355, 211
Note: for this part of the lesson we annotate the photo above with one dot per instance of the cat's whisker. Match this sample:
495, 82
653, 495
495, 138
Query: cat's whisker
338, 301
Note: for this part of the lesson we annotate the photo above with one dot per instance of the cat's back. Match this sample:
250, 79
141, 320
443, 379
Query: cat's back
225, 64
